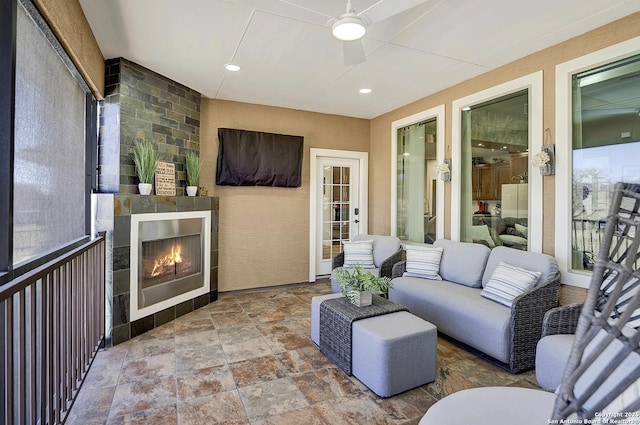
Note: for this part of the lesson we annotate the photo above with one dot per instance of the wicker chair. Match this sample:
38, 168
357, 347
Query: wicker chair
602, 376
387, 251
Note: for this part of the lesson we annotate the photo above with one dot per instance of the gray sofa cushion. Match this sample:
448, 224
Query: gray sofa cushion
458, 311
543, 263
552, 353
472, 256
383, 246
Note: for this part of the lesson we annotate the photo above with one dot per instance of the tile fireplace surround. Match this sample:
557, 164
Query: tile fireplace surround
112, 214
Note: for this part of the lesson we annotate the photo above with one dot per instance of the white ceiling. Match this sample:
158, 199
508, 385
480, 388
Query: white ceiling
289, 58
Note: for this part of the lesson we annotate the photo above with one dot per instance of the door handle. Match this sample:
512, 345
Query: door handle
356, 221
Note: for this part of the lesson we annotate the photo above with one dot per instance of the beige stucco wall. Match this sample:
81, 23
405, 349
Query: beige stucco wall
264, 231
67, 20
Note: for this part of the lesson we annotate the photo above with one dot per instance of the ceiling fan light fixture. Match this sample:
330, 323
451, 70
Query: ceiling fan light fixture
348, 27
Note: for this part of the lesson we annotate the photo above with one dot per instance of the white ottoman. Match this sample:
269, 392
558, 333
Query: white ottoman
394, 352
315, 314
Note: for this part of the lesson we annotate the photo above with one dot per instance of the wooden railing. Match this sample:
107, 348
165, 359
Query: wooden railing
51, 327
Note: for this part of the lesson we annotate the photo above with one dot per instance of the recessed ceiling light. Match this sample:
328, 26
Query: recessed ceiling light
365, 91
231, 67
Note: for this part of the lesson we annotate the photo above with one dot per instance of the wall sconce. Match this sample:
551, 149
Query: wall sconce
546, 160
444, 170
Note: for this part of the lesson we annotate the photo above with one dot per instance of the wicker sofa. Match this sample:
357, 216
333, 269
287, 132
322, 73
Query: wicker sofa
457, 306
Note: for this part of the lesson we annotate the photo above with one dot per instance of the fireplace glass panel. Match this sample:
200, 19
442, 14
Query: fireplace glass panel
169, 259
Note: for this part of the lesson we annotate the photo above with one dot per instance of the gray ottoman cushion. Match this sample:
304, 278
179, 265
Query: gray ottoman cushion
394, 352
315, 315
552, 353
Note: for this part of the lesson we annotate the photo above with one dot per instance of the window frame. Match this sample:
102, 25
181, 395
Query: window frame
8, 11
564, 73
437, 113
534, 84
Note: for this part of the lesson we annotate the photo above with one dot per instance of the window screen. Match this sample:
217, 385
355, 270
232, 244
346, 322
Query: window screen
49, 171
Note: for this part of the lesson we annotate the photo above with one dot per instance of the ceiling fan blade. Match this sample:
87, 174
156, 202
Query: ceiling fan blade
387, 8
353, 52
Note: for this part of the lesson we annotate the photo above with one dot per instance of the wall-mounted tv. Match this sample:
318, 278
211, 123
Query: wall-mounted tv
252, 158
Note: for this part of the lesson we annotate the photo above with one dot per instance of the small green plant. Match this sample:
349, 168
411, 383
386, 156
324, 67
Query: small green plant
193, 168
522, 178
358, 280
144, 156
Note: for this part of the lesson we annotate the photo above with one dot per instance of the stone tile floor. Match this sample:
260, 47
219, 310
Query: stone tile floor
247, 359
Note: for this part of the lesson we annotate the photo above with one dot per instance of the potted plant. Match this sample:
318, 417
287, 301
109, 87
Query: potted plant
358, 286
522, 178
192, 163
146, 161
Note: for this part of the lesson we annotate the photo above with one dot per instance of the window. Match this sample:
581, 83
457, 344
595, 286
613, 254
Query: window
417, 178
495, 150
605, 146
52, 137
464, 142
417, 191
595, 95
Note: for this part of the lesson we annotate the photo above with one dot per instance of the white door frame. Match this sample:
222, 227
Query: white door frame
363, 198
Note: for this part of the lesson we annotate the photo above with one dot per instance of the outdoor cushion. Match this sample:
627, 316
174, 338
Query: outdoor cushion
543, 263
507, 282
458, 311
472, 255
552, 353
383, 246
358, 252
423, 261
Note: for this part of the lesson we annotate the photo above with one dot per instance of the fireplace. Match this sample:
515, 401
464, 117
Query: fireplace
169, 259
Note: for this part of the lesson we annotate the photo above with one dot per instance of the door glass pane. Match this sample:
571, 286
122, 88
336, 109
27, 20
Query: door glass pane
495, 154
416, 188
606, 148
335, 212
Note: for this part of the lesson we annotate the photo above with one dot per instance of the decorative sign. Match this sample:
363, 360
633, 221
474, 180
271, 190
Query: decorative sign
166, 179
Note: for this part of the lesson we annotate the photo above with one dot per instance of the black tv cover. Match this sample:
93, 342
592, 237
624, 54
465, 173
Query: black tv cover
252, 158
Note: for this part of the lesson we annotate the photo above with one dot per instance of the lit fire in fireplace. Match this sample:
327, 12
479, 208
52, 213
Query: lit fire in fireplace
169, 260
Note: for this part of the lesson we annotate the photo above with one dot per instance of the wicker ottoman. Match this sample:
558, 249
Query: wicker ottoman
315, 314
394, 352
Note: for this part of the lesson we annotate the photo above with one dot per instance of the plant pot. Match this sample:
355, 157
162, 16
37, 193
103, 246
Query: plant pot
192, 190
359, 298
145, 188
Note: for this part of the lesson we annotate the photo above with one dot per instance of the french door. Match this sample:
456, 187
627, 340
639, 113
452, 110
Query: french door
340, 207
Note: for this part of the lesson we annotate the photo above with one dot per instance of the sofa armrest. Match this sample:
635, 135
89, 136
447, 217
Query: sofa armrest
527, 314
398, 269
561, 320
338, 261
386, 267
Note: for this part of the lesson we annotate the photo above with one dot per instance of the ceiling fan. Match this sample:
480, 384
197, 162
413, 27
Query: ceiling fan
350, 27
